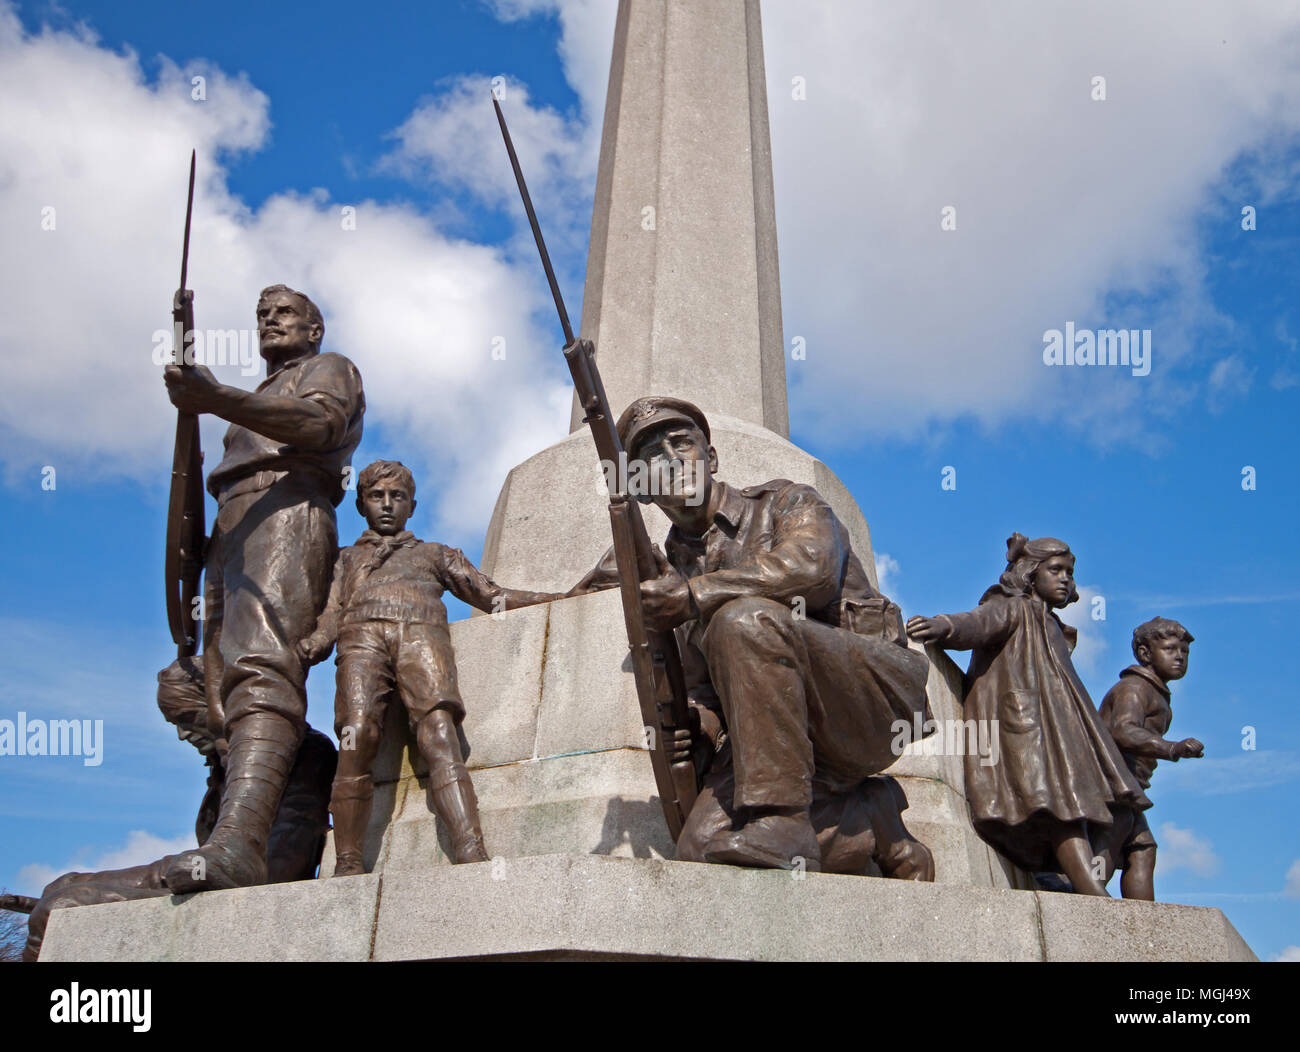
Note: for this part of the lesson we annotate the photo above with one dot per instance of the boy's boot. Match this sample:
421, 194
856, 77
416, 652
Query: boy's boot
350, 807
263, 747
457, 806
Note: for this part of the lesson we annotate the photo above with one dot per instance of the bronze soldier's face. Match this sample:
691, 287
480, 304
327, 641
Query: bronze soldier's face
1054, 580
680, 469
1168, 658
283, 330
387, 504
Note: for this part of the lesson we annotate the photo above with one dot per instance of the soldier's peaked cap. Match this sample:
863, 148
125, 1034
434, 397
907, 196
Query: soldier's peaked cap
654, 411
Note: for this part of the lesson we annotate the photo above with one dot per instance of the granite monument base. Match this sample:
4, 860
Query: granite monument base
593, 907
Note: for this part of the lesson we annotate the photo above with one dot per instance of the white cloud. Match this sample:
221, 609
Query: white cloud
140, 848
1062, 203
1061, 200
1184, 849
1230, 380
887, 573
454, 138
1245, 772
81, 130
1292, 890
1068, 209
586, 37
1291, 953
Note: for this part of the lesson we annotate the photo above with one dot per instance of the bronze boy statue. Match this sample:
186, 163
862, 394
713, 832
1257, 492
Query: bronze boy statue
1061, 782
1136, 711
386, 613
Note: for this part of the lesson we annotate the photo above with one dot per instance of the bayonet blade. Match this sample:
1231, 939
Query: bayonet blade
532, 221
189, 211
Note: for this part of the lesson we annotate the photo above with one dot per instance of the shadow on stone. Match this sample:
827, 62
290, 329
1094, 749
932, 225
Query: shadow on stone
639, 824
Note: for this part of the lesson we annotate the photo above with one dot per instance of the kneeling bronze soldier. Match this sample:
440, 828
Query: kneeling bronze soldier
797, 669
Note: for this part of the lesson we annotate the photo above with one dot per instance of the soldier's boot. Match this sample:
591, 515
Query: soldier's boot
263, 747
457, 806
898, 854
773, 838
350, 806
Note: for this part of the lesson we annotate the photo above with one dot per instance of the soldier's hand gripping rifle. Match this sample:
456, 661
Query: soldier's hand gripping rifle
183, 564
656, 661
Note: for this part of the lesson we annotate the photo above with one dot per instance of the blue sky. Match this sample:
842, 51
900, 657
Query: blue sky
925, 347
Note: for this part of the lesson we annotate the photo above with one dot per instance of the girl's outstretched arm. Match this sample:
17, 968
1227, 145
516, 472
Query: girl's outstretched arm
989, 623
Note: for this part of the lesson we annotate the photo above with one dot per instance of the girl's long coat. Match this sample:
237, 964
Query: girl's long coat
1056, 762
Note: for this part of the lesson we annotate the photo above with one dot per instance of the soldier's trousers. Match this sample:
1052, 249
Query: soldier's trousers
267, 577
806, 702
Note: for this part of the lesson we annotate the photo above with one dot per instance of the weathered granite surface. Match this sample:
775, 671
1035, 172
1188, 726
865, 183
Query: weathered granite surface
592, 907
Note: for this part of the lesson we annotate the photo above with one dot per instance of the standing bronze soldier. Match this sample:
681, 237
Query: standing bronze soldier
268, 566
797, 669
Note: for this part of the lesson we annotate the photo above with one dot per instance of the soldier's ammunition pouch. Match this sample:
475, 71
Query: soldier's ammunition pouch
876, 618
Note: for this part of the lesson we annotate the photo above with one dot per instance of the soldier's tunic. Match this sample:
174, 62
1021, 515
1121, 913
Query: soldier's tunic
803, 660
274, 543
385, 609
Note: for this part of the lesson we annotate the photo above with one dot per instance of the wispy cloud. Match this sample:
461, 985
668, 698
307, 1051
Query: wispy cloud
1185, 849
140, 847
888, 571
1292, 889
1234, 774
1209, 600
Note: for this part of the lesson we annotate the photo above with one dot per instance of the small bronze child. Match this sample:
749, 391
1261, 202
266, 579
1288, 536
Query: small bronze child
1137, 713
386, 613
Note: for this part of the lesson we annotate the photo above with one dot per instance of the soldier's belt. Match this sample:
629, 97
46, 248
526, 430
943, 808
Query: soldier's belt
261, 480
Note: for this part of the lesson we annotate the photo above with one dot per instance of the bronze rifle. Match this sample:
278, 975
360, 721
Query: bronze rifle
183, 563
656, 661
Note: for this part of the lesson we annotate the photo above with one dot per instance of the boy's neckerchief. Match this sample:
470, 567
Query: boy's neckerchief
380, 548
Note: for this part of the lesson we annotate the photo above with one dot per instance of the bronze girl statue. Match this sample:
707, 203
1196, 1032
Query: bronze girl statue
1060, 775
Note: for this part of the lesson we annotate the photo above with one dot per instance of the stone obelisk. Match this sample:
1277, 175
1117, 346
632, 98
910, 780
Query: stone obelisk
683, 294
682, 298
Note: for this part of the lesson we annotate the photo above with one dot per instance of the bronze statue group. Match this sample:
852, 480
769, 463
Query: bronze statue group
798, 672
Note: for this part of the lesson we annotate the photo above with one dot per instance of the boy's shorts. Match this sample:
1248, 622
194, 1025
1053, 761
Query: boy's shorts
1128, 834
377, 657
